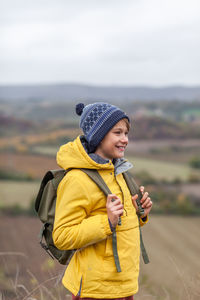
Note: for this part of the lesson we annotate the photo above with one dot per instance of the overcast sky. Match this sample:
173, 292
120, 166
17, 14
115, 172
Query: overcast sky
101, 42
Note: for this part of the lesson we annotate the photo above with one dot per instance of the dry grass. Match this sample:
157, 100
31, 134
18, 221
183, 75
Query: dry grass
16, 289
173, 273
173, 248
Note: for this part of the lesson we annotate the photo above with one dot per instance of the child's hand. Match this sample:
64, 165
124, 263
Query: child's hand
114, 209
145, 201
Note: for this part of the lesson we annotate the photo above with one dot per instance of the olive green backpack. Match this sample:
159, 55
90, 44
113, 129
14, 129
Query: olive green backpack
45, 207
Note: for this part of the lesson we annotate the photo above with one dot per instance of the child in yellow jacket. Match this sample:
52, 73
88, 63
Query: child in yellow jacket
85, 219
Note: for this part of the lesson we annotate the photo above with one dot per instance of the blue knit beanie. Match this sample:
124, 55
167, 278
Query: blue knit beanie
97, 119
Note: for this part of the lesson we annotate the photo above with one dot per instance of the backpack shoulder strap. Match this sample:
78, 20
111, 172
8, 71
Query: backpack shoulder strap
132, 185
134, 189
96, 177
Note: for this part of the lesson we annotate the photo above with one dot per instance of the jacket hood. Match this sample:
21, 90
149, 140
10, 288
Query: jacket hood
73, 155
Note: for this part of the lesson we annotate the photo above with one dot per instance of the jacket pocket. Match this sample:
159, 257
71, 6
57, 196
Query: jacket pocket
127, 224
128, 246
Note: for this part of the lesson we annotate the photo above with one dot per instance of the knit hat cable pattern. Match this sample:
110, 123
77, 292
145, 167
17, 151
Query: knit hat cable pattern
97, 119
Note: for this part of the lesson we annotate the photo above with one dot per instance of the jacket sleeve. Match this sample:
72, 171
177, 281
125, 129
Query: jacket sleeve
74, 227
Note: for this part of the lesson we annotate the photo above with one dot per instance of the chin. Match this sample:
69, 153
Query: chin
119, 155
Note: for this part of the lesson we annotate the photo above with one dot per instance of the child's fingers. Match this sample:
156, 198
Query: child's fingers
134, 197
113, 203
145, 196
142, 189
118, 212
116, 207
111, 198
147, 203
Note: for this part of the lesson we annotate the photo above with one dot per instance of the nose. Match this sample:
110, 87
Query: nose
124, 138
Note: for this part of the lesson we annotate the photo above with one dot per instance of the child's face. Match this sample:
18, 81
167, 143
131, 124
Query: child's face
114, 143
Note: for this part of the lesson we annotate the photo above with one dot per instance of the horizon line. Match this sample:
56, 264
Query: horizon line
32, 84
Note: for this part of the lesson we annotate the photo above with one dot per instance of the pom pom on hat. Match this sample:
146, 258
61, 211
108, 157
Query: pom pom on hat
79, 108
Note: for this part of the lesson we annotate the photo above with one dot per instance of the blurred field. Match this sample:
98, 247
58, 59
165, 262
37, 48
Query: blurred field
43, 158
176, 150
172, 243
24, 266
161, 169
39, 138
33, 165
17, 193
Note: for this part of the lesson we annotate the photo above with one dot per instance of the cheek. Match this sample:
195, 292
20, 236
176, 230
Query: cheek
109, 147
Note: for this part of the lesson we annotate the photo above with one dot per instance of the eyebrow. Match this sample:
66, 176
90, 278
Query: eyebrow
119, 128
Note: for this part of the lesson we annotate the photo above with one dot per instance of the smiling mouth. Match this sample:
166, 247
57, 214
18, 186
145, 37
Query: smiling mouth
121, 148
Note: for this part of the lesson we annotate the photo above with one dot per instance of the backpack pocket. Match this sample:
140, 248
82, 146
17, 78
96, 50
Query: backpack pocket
63, 256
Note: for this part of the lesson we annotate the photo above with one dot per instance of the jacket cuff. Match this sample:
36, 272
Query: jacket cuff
144, 220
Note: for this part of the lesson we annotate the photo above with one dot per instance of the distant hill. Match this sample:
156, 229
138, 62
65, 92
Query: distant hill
70, 92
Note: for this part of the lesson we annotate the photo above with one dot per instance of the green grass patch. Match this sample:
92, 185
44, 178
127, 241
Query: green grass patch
193, 112
45, 150
14, 176
161, 170
13, 193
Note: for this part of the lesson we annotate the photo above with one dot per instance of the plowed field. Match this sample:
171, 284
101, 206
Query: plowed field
33, 165
173, 245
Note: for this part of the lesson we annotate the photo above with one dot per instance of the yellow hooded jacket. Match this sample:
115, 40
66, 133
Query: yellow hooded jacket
81, 223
